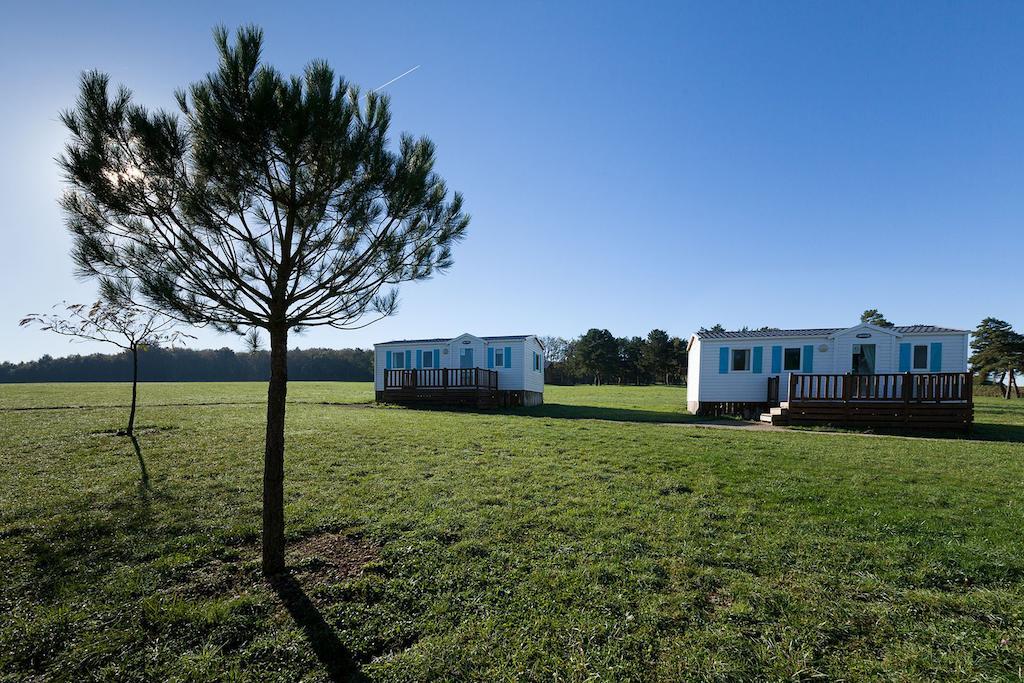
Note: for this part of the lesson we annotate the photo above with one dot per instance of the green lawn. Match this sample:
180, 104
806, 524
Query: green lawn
529, 545
92, 394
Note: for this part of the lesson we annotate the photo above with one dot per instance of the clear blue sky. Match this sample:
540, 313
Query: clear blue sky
631, 166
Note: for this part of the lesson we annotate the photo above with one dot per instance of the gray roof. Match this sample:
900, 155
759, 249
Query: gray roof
819, 332
444, 340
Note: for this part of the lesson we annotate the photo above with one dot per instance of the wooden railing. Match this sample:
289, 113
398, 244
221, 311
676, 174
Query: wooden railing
906, 387
443, 378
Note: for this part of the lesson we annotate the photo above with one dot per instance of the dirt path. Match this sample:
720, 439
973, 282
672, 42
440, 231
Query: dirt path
744, 425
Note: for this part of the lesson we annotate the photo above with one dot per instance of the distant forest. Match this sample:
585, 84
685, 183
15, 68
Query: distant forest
189, 365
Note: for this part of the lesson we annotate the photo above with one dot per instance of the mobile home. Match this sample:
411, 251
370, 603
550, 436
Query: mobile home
482, 371
743, 372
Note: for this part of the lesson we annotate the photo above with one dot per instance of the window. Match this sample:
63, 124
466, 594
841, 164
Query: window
741, 360
920, 356
398, 360
536, 361
862, 362
428, 359
499, 358
791, 359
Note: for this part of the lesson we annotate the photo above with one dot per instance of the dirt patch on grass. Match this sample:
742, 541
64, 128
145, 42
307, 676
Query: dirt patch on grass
718, 600
315, 560
331, 557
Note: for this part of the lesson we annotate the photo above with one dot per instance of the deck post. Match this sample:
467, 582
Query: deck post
792, 387
444, 377
908, 393
847, 389
968, 394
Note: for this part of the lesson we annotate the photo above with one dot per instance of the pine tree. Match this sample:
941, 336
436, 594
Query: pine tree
658, 354
998, 349
873, 316
269, 202
597, 353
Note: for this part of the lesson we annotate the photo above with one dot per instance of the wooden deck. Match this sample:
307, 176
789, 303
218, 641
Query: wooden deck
932, 401
471, 387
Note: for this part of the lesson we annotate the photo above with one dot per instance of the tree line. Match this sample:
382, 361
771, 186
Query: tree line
599, 357
160, 364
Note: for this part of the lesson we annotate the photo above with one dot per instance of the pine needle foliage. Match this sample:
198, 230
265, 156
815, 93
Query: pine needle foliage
267, 201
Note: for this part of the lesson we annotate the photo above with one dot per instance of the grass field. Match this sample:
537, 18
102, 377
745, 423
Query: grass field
599, 537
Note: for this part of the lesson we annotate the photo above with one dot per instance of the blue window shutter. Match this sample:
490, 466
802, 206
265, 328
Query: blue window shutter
936, 360
408, 359
490, 356
758, 359
808, 358
776, 359
905, 357
723, 360
387, 359
508, 356
437, 358
419, 359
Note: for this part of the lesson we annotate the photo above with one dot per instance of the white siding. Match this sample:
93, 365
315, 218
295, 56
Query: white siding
479, 347
380, 364
519, 376
512, 377
753, 386
954, 350
533, 380
707, 384
693, 374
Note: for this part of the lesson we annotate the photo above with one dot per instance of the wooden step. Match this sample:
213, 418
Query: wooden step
780, 418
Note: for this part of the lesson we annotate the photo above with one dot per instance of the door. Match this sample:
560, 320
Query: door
466, 358
863, 361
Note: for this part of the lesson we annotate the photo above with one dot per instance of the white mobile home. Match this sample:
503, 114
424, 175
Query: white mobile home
500, 370
739, 371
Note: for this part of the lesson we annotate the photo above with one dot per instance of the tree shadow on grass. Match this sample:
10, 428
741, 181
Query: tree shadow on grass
336, 658
143, 472
989, 431
980, 431
563, 411
82, 540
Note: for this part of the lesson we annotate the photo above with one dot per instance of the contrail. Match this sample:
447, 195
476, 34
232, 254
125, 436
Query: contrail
396, 78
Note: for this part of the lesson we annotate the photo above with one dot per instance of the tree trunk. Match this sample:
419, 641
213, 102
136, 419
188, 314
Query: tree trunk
135, 389
273, 458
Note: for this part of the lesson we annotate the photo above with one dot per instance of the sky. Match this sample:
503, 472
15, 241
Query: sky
627, 166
